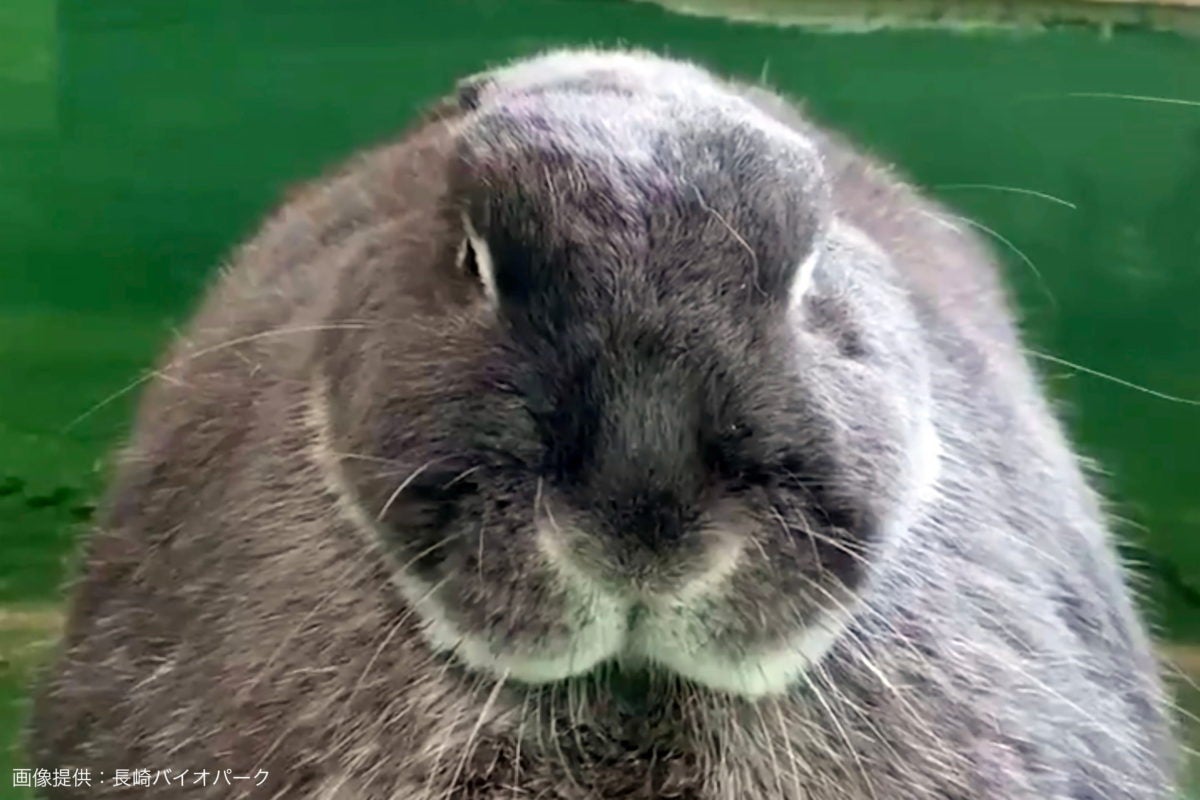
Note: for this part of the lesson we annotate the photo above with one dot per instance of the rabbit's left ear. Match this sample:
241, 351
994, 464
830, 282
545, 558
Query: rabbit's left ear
469, 89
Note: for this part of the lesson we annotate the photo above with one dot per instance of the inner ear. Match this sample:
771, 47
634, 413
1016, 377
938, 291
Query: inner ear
475, 259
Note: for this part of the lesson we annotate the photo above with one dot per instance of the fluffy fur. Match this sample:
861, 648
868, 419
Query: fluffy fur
617, 433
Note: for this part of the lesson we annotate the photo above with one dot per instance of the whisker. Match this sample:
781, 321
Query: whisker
794, 761
404, 485
1012, 247
435, 546
1012, 189
769, 745
1141, 98
363, 562
391, 634
562, 756
840, 728
462, 475
447, 790
725, 223
469, 747
363, 457
1187, 401
814, 537
866, 608
117, 395
523, 721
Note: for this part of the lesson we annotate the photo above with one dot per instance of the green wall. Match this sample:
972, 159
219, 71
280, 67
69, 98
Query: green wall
139, 139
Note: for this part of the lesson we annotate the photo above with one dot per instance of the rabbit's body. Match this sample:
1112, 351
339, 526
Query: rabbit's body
602, 494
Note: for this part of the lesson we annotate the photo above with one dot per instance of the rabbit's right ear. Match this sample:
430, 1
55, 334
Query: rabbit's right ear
463, 100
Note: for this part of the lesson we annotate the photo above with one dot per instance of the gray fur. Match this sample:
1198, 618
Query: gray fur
383, 535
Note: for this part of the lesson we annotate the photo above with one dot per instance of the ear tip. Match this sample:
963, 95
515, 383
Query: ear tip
469, 91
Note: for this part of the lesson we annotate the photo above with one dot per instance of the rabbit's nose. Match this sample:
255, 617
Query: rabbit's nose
650, 547
654, 521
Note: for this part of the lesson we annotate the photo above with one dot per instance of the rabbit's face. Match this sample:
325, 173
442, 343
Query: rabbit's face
682, 412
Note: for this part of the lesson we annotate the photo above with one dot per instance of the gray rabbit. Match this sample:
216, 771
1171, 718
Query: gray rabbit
617, 433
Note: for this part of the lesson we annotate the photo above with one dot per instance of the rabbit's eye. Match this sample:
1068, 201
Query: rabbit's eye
475, 259
727, 454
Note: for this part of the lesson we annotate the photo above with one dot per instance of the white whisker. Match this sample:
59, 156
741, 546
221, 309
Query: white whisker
1187, 401
1141, 98
1012, 189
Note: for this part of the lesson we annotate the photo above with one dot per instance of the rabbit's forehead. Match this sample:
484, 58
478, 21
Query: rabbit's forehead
628, 106
566, 127
643, 153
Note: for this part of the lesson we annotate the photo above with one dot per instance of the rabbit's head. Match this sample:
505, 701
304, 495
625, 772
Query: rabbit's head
673, 412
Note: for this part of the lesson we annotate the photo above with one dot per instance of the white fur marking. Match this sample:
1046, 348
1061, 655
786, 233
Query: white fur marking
598, 641
483, 258
804, 275
722, 561
770, 672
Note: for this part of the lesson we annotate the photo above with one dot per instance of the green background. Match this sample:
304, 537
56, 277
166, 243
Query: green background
140, 139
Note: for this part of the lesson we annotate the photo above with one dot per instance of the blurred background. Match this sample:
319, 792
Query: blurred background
140, 140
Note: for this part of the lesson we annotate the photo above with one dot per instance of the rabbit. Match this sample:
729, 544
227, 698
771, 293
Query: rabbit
620, 431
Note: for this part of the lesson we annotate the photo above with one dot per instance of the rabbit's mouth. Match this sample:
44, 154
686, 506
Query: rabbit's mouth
686, 624
689, 639
647, 643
